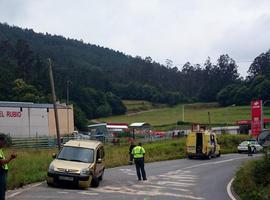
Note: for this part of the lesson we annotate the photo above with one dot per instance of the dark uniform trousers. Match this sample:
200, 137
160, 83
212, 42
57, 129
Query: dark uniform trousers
3, 183
139, 162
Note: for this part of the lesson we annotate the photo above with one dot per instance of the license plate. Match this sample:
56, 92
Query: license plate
66, 178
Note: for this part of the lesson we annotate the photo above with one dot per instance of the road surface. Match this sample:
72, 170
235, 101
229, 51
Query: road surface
177, 179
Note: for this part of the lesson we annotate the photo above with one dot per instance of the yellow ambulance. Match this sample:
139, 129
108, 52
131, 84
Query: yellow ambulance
202, 143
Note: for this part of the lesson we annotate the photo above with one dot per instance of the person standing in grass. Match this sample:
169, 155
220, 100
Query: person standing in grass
131, 147
138, 152
4, 167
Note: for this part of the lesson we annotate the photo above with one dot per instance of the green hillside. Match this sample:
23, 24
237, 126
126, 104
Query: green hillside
99, 78
195, 113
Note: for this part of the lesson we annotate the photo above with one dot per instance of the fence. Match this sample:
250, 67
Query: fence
38, 142
51, 142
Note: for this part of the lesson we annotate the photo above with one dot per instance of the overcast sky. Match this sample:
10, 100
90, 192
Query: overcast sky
180, 30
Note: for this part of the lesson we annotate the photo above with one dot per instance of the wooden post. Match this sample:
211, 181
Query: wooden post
54, 104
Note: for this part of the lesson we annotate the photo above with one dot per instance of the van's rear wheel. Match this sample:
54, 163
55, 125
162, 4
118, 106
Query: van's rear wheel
95, 182
50, 184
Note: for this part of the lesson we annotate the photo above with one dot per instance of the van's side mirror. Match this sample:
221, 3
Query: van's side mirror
99, 160
54, 155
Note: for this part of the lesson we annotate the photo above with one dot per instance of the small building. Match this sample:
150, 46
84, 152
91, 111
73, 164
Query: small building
107, 128
233, 130
140, 128
140, 125
27, 119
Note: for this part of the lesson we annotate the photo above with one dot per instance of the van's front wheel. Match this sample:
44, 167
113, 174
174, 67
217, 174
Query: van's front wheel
101, 176
95, 182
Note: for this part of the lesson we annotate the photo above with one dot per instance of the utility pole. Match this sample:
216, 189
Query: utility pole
209, 118
183, 112
54, 104
68, 82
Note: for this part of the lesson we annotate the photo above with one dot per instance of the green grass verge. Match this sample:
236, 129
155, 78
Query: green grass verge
253, 180
31, 165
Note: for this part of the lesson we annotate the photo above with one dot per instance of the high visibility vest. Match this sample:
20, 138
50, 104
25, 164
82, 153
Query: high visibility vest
138, 152
2, 157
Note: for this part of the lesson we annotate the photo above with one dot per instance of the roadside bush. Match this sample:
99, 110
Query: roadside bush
261, 173
8, 139
253, 180
229, 143
182, 123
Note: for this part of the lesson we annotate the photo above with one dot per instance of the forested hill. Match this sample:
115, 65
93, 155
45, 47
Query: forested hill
99, 77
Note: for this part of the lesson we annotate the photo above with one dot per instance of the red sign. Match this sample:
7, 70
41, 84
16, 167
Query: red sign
256, 117
10, 114
248, 122
243, 122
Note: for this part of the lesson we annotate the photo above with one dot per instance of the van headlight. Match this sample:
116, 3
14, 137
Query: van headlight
51, 168
84, 172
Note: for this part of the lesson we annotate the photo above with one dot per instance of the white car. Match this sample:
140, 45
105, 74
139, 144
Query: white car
255, 146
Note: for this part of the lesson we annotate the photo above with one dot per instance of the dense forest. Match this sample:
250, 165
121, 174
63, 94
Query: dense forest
99, 78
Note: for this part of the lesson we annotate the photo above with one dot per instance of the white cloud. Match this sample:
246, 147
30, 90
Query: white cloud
182, 30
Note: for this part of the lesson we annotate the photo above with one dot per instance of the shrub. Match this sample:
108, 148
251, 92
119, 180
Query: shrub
8, 139
253, 180
261, 173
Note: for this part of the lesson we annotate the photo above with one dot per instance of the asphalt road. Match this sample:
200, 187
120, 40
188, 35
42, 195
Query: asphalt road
177, 179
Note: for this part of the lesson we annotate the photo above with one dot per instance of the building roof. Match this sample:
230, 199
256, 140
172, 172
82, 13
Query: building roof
117, 126
91, 144
30, 105
139, 124
225, 128
97, 125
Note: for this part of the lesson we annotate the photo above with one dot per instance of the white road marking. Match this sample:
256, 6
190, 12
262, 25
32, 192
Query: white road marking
151, 193
218, 162
229, 190
88, 193
128, 172
62, 192
162, 187
24, 189
172, 184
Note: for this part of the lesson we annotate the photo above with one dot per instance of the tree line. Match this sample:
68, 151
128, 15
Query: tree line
99, 78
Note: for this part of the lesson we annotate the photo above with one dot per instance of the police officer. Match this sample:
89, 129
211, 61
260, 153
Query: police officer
3, 167
138, 154
249, 149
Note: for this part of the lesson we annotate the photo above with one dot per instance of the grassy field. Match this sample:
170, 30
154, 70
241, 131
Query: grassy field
31, 165
196, 113
137, 105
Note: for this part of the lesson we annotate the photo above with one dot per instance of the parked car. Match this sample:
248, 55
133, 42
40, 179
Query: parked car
255, 146
79, 163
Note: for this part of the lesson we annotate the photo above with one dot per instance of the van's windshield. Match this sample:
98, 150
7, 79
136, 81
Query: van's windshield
76, 154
